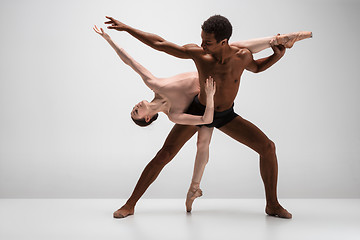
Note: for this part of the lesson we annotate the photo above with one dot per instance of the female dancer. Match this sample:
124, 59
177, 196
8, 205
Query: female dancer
173, 96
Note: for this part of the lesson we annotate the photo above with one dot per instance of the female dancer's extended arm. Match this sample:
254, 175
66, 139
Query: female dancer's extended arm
146, 75
259, 44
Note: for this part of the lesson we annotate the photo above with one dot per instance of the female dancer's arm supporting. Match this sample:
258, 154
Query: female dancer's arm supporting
207, 118
146, 75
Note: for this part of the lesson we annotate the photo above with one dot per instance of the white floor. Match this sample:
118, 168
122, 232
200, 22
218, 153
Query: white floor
166, 219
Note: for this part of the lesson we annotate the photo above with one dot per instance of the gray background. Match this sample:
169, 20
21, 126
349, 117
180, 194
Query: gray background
65, 100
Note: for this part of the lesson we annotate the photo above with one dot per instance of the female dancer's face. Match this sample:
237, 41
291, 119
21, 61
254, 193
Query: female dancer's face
140, 110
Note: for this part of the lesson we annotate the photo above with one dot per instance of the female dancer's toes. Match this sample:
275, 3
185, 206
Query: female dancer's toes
289, 39
191, 195
123, 212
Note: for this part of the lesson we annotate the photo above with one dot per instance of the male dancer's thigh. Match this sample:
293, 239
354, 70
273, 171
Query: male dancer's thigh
246, 133
177, 137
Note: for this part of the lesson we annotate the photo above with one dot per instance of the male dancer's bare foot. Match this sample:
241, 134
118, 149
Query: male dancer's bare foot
124, 211
277, 211
289, 39
191, 195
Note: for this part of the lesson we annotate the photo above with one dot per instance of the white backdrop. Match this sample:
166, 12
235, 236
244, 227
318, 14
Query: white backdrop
65, 100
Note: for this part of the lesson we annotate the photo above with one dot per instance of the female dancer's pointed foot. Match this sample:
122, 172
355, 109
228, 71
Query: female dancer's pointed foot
289, 39
191, 195
124, 211
278, 211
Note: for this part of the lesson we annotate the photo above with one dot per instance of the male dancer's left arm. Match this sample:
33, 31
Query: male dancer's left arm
262, 64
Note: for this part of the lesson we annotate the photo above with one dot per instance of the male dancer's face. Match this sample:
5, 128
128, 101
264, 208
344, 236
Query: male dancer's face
209, 43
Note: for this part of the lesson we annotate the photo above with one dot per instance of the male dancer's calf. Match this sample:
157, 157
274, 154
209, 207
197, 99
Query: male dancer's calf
176, 139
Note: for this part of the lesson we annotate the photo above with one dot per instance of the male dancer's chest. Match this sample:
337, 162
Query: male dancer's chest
227, 78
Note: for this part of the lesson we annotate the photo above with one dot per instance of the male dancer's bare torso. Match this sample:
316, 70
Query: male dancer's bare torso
226, 73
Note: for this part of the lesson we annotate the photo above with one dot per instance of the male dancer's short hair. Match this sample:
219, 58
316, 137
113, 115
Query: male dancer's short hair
219, 25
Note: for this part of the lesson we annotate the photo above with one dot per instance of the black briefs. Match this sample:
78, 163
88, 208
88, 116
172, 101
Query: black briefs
220, 118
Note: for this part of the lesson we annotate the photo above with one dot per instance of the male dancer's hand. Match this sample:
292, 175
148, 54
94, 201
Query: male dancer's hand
115, 24
278, 49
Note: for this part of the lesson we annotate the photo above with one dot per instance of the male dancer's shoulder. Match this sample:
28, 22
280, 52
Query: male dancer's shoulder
194, 49
244, 54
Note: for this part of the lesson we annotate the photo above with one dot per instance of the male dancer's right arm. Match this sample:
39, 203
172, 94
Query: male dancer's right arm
151, 39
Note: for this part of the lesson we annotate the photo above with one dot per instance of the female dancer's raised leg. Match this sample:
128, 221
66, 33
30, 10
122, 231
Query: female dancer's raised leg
202, 157
259, 44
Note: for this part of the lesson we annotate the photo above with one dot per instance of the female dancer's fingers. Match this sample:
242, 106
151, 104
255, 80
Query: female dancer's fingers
96, 29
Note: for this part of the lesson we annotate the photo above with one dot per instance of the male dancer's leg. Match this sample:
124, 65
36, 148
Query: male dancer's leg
248, 134
177, 137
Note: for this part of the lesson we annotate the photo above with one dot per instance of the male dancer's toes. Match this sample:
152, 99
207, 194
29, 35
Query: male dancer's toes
278, 211
194, 192
289, 39
124, 211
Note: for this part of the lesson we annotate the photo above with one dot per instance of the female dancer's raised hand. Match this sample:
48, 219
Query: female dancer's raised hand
101, 32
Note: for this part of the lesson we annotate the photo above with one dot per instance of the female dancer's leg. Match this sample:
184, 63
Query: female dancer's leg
202, 157
259, 44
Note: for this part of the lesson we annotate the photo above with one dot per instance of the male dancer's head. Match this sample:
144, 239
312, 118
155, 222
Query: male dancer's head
216, 32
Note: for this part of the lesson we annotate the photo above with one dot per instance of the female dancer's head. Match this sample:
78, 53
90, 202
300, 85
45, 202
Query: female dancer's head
142, 114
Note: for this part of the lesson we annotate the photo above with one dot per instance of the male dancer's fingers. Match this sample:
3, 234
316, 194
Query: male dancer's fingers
112, 20
272, 42
108, 22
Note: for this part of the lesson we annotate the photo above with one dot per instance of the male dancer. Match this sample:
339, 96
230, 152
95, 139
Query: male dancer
225, 64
